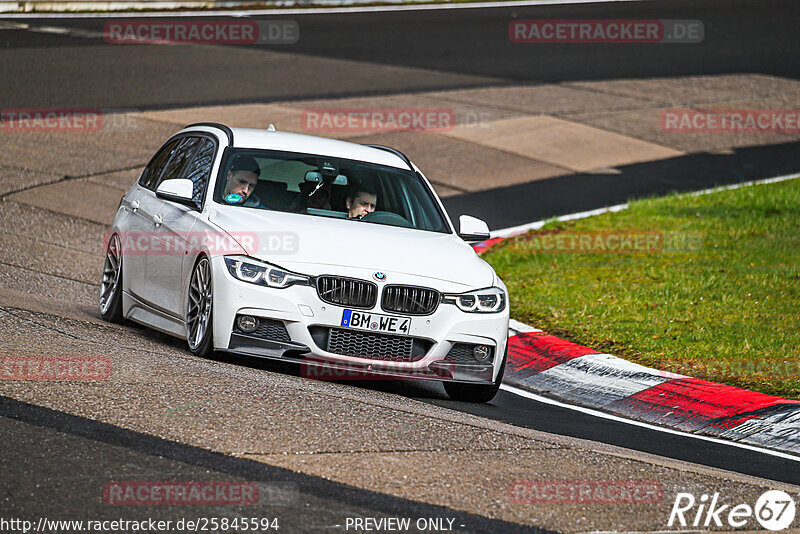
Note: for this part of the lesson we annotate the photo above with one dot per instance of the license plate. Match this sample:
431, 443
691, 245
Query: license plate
375, 322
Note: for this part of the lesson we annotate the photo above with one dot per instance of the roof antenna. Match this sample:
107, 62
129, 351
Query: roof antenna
271, 128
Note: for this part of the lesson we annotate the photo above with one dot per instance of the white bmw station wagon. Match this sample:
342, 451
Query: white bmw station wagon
335, 255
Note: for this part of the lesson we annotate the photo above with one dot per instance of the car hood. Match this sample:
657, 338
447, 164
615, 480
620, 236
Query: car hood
311, 245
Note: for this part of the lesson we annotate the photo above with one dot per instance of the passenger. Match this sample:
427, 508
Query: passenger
241, 182
361, 200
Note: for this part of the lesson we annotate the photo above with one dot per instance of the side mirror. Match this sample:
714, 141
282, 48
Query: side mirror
178, 190
472, 229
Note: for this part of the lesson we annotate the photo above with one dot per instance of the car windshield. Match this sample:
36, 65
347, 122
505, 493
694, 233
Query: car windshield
323, 186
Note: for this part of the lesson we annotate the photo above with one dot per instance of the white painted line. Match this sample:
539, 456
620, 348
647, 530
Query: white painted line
603, 415
745, 184
50, 29
310, 11
521, 229
13, 25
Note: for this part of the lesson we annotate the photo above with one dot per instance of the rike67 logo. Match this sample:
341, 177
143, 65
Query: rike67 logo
774, 510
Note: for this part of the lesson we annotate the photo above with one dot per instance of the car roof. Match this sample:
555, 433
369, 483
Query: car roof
309, 144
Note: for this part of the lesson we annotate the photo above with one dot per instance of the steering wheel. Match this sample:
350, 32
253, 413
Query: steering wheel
387, 217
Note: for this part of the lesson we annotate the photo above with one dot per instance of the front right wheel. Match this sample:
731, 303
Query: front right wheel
199, 325
476, 392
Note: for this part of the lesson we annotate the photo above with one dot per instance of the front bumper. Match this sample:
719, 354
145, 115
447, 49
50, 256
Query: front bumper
303, 314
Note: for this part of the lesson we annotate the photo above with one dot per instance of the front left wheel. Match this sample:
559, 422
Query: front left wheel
111, 284
476, 392
199, 318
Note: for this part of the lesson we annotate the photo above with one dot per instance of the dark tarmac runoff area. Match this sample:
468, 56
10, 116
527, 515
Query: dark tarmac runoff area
233, 444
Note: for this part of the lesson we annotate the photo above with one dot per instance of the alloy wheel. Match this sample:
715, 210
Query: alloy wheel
111, 274
200, 298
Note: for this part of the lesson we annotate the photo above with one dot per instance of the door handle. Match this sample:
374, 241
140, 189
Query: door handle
135, 206
157, 220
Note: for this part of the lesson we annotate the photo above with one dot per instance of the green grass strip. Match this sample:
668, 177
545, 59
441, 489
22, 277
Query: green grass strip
706, 285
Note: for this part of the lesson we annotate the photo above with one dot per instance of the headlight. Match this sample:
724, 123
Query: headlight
261, 273
489, 300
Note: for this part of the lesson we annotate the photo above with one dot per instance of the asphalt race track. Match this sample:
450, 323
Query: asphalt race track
456, 48
323, 453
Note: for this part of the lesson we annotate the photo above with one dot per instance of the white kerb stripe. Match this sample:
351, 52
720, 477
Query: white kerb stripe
781, 427
596, 379
516, 327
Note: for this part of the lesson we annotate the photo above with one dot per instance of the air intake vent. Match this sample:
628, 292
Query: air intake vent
350, 292
410, 300
272, 330
464, 353
373, 346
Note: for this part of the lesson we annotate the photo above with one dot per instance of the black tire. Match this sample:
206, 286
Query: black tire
476, 392
199, 312
111, 283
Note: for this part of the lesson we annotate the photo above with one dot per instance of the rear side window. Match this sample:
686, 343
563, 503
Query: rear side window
153, 171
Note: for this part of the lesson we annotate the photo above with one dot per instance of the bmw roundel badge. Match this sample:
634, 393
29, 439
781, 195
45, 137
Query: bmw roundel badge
379, 276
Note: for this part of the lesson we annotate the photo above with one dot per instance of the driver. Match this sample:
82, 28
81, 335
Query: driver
241, 182
360, 201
